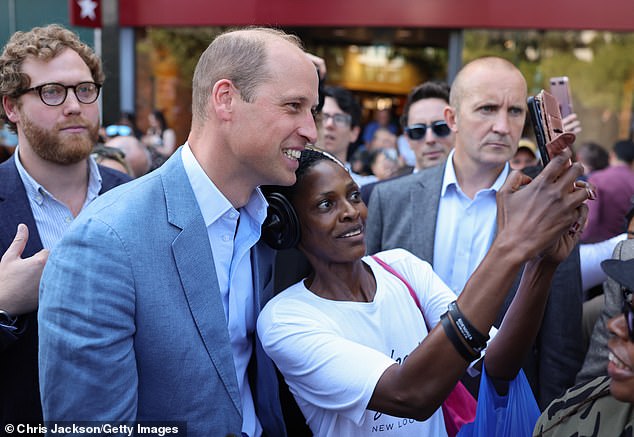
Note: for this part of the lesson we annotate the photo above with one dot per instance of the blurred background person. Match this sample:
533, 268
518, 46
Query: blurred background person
158, 135
383, 138
614, 187
339, 125
128, 118
360, 163
137, 157
111, 157
384, 163
382, 119
592, 156
385, 160
8, 141
525, 156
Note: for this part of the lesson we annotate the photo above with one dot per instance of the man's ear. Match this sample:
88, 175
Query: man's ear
10, 106
223, 96
451, 117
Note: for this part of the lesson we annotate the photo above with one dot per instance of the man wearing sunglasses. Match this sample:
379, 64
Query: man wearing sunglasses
49, 85
424, 124
446, 214
425, 128
603, 405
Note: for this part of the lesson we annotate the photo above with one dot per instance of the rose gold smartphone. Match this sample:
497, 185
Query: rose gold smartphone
560, 89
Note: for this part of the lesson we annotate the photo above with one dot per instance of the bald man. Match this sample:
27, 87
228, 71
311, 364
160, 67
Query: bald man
136, 153
447, 214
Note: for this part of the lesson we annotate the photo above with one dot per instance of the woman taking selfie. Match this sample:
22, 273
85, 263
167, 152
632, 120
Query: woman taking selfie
350, 340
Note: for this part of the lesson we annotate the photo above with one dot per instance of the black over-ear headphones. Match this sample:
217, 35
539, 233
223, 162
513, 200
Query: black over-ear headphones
280, 229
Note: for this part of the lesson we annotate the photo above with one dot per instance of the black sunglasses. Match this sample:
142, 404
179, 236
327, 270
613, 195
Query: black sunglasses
628, 311
418, 131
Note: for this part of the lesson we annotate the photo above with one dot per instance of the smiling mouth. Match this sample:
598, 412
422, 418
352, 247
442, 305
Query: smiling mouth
618, 363
353, 233
292, 153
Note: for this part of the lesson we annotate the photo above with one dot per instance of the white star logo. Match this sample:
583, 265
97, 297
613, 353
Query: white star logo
87, 9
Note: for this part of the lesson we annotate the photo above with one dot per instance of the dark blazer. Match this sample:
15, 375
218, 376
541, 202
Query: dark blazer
402, 213
366, 190
19, 388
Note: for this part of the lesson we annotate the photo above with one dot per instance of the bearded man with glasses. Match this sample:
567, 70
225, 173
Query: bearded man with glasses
49, 85
446, 214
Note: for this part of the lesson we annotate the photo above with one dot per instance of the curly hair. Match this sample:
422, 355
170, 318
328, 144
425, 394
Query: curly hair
42, 43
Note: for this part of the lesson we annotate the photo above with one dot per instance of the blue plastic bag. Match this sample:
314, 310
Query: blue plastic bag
512, 415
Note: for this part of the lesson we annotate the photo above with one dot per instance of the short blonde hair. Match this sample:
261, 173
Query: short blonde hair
239, 55
43, 43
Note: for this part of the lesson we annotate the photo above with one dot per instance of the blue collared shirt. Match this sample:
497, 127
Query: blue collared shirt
52, 217
465, 228
232, 233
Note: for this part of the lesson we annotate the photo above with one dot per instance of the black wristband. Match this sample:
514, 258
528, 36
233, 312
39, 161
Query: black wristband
474, 338
453, 336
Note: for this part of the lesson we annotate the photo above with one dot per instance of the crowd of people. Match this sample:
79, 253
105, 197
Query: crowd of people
140, 278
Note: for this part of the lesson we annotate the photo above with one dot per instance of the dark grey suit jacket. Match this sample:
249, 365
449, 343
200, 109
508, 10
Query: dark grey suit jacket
402, 213
19, 388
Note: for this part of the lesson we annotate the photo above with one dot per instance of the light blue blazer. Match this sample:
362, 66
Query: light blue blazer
131, 321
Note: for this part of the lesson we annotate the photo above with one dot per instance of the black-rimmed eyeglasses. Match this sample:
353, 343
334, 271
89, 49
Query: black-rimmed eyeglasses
54, 94
418, 130
628, 311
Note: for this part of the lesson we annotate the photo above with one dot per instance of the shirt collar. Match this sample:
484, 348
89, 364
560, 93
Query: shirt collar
450, 178
212, 203
33, 187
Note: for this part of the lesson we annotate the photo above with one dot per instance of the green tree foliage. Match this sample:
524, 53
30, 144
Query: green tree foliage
599, 65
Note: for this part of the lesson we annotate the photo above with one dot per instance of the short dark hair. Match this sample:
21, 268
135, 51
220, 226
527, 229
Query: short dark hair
594, 155
347, 102
624, 151
432, 89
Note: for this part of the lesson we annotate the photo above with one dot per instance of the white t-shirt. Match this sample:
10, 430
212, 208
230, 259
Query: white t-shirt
333, 353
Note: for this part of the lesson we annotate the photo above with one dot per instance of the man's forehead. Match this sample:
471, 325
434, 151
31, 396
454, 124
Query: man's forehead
488, 93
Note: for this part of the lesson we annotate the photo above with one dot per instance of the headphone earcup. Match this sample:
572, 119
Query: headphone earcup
281, 226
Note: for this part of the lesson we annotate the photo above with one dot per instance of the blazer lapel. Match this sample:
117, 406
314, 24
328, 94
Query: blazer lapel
195, 264
15, 209
424, 198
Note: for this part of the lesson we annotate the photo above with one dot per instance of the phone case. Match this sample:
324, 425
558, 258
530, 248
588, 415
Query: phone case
546, 118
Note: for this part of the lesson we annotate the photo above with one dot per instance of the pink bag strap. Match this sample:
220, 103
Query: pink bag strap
412, 293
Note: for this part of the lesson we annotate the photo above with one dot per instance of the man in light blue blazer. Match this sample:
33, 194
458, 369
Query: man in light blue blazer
148, 304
